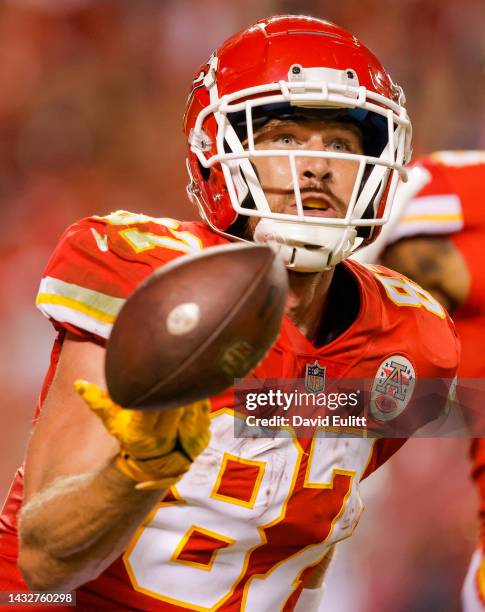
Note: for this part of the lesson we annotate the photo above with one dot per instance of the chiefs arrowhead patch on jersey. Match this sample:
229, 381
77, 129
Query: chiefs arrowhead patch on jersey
392, 388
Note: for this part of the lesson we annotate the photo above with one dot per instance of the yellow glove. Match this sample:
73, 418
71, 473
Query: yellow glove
157, 447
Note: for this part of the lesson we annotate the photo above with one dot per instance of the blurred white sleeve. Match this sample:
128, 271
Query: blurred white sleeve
418, 178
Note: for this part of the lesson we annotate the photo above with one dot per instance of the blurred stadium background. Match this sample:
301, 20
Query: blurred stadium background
91, 101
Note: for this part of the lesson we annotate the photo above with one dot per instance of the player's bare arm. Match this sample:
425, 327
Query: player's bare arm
315, 578
80, 510
434, 263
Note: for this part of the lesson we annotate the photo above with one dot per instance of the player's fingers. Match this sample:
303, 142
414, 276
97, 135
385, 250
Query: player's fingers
196, 417
145, 420
194, 444
195, 411
97, 399
194, 427
168, 420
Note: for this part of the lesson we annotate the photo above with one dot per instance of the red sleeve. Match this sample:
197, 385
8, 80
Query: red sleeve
470, 245
99, 261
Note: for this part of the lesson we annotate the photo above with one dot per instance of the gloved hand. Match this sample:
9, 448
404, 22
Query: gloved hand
157, 447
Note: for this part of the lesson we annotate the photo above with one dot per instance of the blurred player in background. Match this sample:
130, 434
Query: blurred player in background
297, 137
435, 236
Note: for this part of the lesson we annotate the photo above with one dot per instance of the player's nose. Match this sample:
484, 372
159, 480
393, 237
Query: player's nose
314, 168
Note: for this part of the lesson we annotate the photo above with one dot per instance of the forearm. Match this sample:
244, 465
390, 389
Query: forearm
314, 580
78, 525
313, 586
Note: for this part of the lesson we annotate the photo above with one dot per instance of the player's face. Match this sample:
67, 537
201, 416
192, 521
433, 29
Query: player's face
326, 184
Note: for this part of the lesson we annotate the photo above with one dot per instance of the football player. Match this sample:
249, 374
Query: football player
434, 237
297, 137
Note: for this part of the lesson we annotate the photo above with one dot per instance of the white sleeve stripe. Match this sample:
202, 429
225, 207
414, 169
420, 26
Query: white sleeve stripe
439, 214
64, 314
448, 204
422, 227
85, 308
101, 302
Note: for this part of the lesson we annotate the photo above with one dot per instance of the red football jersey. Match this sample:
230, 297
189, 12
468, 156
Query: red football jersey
240, 529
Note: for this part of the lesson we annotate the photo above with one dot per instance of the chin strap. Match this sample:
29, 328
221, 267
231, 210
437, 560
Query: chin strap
309, 248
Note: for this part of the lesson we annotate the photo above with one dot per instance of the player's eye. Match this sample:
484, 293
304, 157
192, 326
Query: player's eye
285, 140
341, 145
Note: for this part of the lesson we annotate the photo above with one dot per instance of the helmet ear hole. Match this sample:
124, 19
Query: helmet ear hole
239, 228
205, 172
362, 231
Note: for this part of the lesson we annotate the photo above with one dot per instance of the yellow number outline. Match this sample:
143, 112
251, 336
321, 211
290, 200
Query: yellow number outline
412, 294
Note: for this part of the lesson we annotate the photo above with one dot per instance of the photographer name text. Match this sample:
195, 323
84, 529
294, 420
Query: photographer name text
299, 421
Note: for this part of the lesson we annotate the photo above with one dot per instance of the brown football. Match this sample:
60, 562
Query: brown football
195, 325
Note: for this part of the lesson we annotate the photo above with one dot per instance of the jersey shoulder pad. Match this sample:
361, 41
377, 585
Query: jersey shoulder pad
142, 237
99, 261
413, 318
399, 290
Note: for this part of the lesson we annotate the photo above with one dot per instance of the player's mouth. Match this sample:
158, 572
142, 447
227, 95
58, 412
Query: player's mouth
316, 205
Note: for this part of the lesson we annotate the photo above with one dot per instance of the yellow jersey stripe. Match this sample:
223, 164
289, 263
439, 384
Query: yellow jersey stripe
60, 300
446, 218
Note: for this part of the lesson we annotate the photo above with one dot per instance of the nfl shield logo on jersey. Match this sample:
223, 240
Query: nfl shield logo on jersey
314, 378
